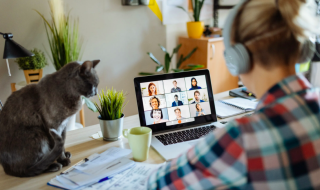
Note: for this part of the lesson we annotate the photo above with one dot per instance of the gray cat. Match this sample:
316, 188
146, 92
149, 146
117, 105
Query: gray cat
33, 120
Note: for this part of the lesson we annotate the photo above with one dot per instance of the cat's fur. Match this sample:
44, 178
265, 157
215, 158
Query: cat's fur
33, 120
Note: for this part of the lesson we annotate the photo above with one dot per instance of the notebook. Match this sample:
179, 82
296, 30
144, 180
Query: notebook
234, 106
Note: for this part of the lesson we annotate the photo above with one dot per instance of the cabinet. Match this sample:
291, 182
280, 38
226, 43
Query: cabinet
210, 54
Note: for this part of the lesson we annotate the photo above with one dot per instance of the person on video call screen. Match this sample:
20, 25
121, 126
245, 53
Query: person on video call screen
199, 111
175, 88
194, 84
177, 111
154, 102
152, 89
176, 102
157, 116
197, 97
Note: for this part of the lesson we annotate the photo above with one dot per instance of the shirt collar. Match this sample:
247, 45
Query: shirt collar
289, 85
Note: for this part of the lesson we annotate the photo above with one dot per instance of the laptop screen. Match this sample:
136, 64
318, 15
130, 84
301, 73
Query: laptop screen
175, 100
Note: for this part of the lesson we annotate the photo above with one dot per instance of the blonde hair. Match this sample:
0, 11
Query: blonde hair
274, 31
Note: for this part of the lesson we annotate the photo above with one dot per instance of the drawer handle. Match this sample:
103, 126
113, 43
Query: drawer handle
213, 50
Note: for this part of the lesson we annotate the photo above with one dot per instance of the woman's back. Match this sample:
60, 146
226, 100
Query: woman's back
282, 139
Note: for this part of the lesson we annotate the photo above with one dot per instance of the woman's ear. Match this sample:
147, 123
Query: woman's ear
95, 62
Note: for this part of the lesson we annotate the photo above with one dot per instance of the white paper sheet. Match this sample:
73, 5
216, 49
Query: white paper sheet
100, 172
134, 178
107, 156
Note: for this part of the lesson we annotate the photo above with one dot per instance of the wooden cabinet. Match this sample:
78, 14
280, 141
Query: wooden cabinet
209, 54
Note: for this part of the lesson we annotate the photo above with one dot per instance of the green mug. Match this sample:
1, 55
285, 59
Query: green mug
139, 140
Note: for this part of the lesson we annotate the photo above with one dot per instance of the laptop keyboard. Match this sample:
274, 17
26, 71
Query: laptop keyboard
186, 135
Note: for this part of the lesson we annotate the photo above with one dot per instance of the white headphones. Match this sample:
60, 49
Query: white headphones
237, 56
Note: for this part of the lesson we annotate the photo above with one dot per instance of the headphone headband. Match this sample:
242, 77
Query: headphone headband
229, 22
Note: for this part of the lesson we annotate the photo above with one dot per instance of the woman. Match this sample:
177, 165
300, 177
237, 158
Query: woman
157, 116
194, 84
199, 111
152, 89
154, 102
277, 147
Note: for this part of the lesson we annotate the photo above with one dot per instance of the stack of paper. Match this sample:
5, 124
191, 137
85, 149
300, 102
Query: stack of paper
97, 168
133, 178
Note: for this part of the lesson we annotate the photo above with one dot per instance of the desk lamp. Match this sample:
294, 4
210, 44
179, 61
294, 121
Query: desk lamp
13, 50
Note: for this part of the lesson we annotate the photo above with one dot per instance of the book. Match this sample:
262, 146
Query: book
238, 92
234, 106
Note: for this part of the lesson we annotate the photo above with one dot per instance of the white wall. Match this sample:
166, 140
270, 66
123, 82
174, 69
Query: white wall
118, 35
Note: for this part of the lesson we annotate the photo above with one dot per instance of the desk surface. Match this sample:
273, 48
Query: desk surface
81, 145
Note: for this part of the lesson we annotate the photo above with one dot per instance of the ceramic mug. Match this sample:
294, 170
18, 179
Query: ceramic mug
139, 140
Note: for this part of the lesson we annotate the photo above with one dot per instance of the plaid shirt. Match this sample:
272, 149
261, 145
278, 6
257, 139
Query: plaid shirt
278, 147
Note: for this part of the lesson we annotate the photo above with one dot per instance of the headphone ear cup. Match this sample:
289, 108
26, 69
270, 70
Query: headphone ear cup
244, 63
237, 59
307, 52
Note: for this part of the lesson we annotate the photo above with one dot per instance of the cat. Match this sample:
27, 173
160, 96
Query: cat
33, 120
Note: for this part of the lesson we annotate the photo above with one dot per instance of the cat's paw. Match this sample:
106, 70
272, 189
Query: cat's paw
54, 167
68, 154
64, 162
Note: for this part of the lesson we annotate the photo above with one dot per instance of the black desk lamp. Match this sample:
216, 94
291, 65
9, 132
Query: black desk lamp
13, 50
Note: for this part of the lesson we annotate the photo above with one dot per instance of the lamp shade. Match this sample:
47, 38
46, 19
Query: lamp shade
13, 50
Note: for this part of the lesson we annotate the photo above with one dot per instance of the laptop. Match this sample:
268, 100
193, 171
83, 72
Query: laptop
178, 107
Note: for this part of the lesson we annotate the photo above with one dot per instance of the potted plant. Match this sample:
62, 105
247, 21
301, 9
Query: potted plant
111, 113
32, 66
63, 35
195, 28
166, 67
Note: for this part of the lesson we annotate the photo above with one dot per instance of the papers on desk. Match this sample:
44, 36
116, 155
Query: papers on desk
108, 170
133, 178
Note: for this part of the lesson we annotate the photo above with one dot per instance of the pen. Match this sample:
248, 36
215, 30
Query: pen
248, 93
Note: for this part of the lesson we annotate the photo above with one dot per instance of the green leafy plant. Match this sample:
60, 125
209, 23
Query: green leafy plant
38, 61
197, 6
166, 67
111, 104
63, 35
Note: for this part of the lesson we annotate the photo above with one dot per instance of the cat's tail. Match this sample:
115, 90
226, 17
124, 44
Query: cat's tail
48, 159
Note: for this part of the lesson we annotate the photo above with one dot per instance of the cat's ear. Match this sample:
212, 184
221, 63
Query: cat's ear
85, 68
95, 62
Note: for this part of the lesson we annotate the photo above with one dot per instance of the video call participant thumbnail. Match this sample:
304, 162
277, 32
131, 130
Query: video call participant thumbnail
157, 116
200, 111
197, 97
177, 111
176, 102
152, 89
194, 84
175, 88
154, 102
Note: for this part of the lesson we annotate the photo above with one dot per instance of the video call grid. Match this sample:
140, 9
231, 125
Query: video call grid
166, 94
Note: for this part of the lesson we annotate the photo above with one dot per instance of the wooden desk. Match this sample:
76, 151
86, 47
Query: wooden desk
81, 145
